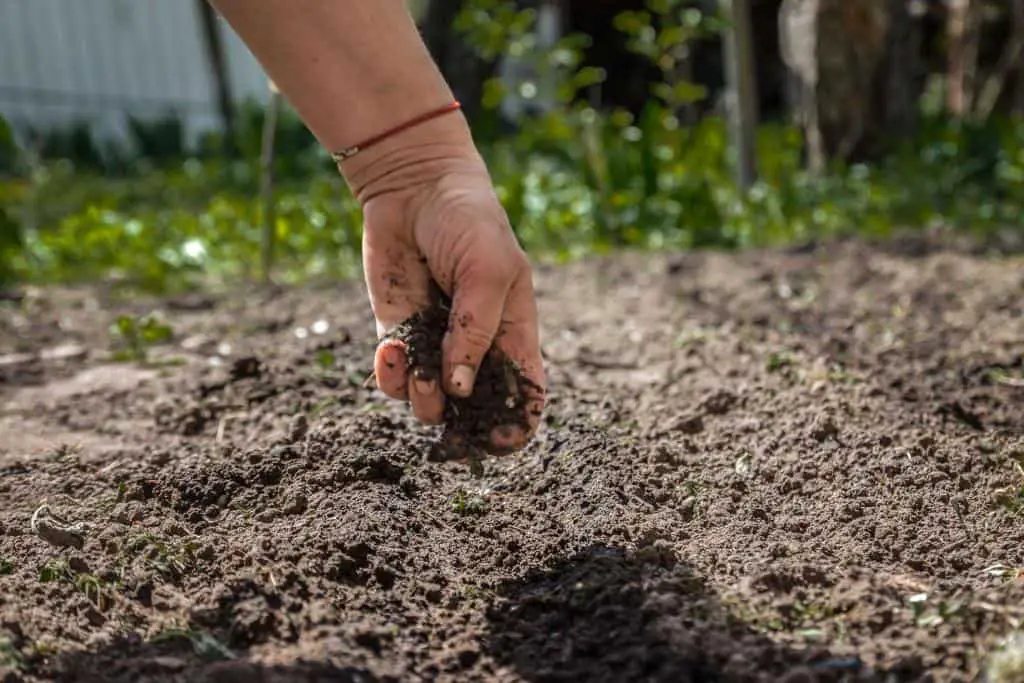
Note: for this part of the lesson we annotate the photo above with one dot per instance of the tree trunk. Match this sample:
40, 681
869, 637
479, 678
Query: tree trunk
1018, 32
901, 77
962, 56
838, 53
217, 58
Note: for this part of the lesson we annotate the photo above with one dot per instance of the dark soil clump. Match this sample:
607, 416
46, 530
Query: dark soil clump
499, 395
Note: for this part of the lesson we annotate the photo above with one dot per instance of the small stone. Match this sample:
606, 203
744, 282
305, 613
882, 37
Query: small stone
69, 351
78, 565
199, 343
268, 515
688, 424
824, 428
94, 617
298, 427
168, 663
127, 513
296, 505
799, 675
11, 359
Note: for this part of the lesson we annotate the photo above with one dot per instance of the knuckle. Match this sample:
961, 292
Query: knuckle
469, 337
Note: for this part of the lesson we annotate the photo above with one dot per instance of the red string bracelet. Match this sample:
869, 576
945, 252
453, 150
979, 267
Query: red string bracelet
347, 152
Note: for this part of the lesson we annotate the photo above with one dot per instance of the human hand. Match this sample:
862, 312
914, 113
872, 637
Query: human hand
431, 215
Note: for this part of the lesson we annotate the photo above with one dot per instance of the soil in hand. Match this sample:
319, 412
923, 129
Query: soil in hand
500, 393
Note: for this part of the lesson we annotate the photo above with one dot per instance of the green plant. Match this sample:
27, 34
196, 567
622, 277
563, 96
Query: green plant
468, 502
138, 335
6, 567
168, 558
664, 33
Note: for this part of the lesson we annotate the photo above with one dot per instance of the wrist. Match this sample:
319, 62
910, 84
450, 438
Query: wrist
414, 156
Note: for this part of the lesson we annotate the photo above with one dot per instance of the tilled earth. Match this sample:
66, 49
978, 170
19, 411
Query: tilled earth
785, 466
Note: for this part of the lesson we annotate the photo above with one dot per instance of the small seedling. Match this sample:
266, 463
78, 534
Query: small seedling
6, 567
138, 335
55, 570
169, 559
95, 589
780, 360
468, 503
1012, 497
64, 452
325, 359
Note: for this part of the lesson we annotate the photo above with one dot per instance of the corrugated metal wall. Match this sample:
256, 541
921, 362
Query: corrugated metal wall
99, 60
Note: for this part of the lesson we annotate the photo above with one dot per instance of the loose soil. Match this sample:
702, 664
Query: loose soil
500, 395
784, 466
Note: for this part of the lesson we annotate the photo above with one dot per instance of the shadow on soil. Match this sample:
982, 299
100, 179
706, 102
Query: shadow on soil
606, 615
603, 615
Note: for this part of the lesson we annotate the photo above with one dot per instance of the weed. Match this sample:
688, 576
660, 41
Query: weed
64, 452
6, 567
693, 488
325, 359
1011, 498
168, 558
55, 570
137, 335
95, 589
928, 615
780, 360
469, 503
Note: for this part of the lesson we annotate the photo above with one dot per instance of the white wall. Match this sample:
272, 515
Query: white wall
66, 60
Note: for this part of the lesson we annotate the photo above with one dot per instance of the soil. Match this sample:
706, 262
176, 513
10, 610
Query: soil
774, 466
500, 393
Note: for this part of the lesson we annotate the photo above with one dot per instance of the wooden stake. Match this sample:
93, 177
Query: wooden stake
741, 89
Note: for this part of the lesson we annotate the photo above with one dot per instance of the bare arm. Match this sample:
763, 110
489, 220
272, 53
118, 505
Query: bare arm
351, 68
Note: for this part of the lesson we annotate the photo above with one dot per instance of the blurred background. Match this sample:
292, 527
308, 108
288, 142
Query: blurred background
141, 145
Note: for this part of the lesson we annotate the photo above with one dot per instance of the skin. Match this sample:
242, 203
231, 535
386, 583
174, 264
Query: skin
353, 69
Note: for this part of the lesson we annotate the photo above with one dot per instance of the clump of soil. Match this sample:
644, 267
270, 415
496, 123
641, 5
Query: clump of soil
499, 395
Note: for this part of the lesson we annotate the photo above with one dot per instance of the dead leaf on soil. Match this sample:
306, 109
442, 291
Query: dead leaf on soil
57, 531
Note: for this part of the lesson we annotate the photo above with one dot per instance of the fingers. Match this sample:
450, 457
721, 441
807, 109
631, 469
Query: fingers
389, 366
398, 284
478, 306
427, 399
519, 339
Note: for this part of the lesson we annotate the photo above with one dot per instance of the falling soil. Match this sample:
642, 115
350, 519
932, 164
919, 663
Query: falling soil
774, 466
500, 392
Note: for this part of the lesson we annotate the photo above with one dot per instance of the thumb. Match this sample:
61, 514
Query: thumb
478, 301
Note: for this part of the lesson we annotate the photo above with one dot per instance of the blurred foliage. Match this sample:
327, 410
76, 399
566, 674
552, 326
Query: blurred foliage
574, 180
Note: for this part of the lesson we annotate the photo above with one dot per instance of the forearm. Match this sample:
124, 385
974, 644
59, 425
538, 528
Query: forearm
350, 68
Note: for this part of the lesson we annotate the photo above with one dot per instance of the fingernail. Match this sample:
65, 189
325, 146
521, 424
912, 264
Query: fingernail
462, 379
425, 387
391, 356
